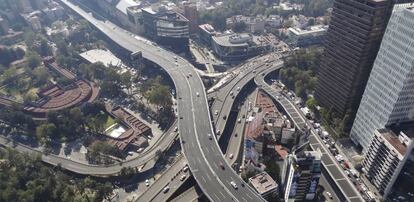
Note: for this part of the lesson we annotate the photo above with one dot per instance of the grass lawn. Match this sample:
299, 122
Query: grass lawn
109, 122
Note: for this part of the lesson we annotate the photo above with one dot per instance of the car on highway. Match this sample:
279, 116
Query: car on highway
185, 168
176, 129
165, 190
221, 165
231, 156
130, 153
238, 120
329, 195
209, 136
216, 112
238, 88
147, 182
198, 94
233, 184
182, 178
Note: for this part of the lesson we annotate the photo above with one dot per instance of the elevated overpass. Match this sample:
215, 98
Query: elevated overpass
203, 155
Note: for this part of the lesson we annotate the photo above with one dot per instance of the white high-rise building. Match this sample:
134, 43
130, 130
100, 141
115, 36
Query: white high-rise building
389, 94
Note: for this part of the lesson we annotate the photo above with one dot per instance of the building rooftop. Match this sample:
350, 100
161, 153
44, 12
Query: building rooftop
263, 183
281, 151
208, 28
315, 155
398, 142
254, 128
265, 103
124, 4
100, 55
317, 29
135, 131
240, 39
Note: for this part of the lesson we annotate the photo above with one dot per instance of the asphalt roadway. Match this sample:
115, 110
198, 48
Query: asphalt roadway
203, 154
171, 178
223, 100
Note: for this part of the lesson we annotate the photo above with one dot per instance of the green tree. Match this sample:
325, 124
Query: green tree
45, 49
126, 80
311, 103
41, 76
33, 60
160, 96
96, 123
45, 132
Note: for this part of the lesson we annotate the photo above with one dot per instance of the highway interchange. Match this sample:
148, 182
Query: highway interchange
202, 153
205, 159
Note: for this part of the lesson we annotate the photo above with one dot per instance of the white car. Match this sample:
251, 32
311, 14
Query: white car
185, 168
231, 156
182, 177
209, 136
329, 194
147, 182
198, 94
165, 190
216, 112
233, 184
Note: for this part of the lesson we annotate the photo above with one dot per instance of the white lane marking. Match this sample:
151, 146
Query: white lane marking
217, 197
249, 196
208, 176
244, 199
204, 180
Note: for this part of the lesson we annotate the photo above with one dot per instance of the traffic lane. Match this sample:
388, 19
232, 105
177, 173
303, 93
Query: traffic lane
235, 142
225, 108
328, 188
347, 188
227, 175
203, 173
156, 187
189, 142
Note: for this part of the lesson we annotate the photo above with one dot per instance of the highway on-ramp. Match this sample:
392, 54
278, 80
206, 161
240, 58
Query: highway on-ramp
203, 154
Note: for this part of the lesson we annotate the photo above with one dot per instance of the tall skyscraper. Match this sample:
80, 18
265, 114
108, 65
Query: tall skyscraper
352, 42
300, 175
389, 95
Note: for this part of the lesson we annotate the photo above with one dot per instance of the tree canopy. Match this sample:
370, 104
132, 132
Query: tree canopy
26, 178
